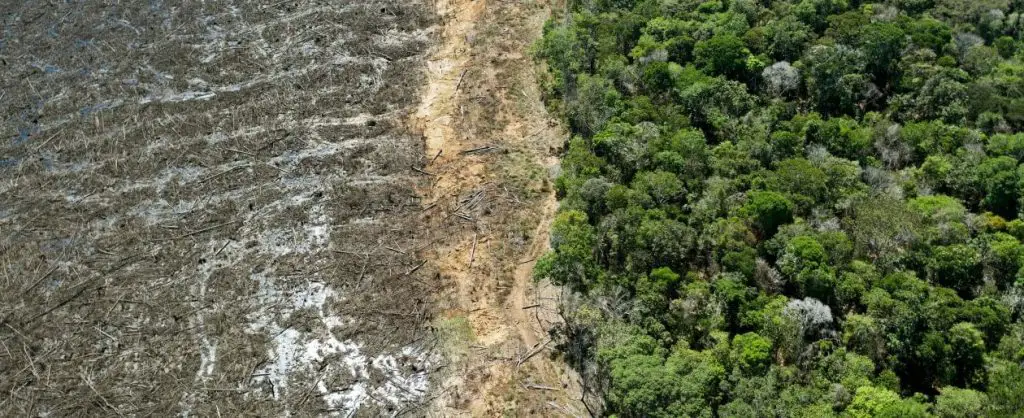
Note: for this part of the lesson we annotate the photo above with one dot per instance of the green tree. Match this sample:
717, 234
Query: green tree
751, 353
802, 182
914, 6
840, 180
943, 94
597, 102
883, 43
883, 229
695, 314
684, 154
928, 32
816, 12
663, 187
847, 28
999, 176
835, 78
661, 242
842, 136
954, 402
734, 297
1003, 258
990, 316
571, 261
955, 266
714, 104
967, 355
873, 402
864, 335
625, 146
1005, 389
767, 211
722, 55
1006, 46
787, 37
645, 384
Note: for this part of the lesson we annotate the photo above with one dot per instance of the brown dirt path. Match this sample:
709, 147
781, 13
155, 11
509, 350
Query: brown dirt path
490, 148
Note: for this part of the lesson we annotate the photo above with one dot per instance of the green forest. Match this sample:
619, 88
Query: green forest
791, 208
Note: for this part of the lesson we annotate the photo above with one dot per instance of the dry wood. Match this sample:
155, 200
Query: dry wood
39, 280
416, 268
472, 252
211, 177
562, 409
199, 231
461, 77
416, 169
539, 348
486, 148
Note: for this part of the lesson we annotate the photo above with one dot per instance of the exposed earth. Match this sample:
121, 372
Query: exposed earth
304, 208
491, 146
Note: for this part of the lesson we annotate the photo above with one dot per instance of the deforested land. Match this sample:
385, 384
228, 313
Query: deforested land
206, 208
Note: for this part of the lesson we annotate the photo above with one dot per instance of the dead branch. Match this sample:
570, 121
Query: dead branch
561, 409
39, 280
533, 352
199, 231
416, 268
421, 171
461, 77
362, 271
487, 148
211, 177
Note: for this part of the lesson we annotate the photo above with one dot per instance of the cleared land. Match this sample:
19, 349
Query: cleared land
491, 148
210, 208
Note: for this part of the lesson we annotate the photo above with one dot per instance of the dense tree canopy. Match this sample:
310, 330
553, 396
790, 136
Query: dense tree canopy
792, 207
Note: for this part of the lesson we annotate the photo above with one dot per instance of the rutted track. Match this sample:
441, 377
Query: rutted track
208, 208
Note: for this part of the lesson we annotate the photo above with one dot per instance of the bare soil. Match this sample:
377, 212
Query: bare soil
491, 150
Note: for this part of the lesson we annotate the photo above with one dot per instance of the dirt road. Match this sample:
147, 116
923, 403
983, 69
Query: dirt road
490, 148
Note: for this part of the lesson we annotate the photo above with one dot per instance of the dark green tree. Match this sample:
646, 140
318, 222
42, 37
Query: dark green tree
767, 211
722, 55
